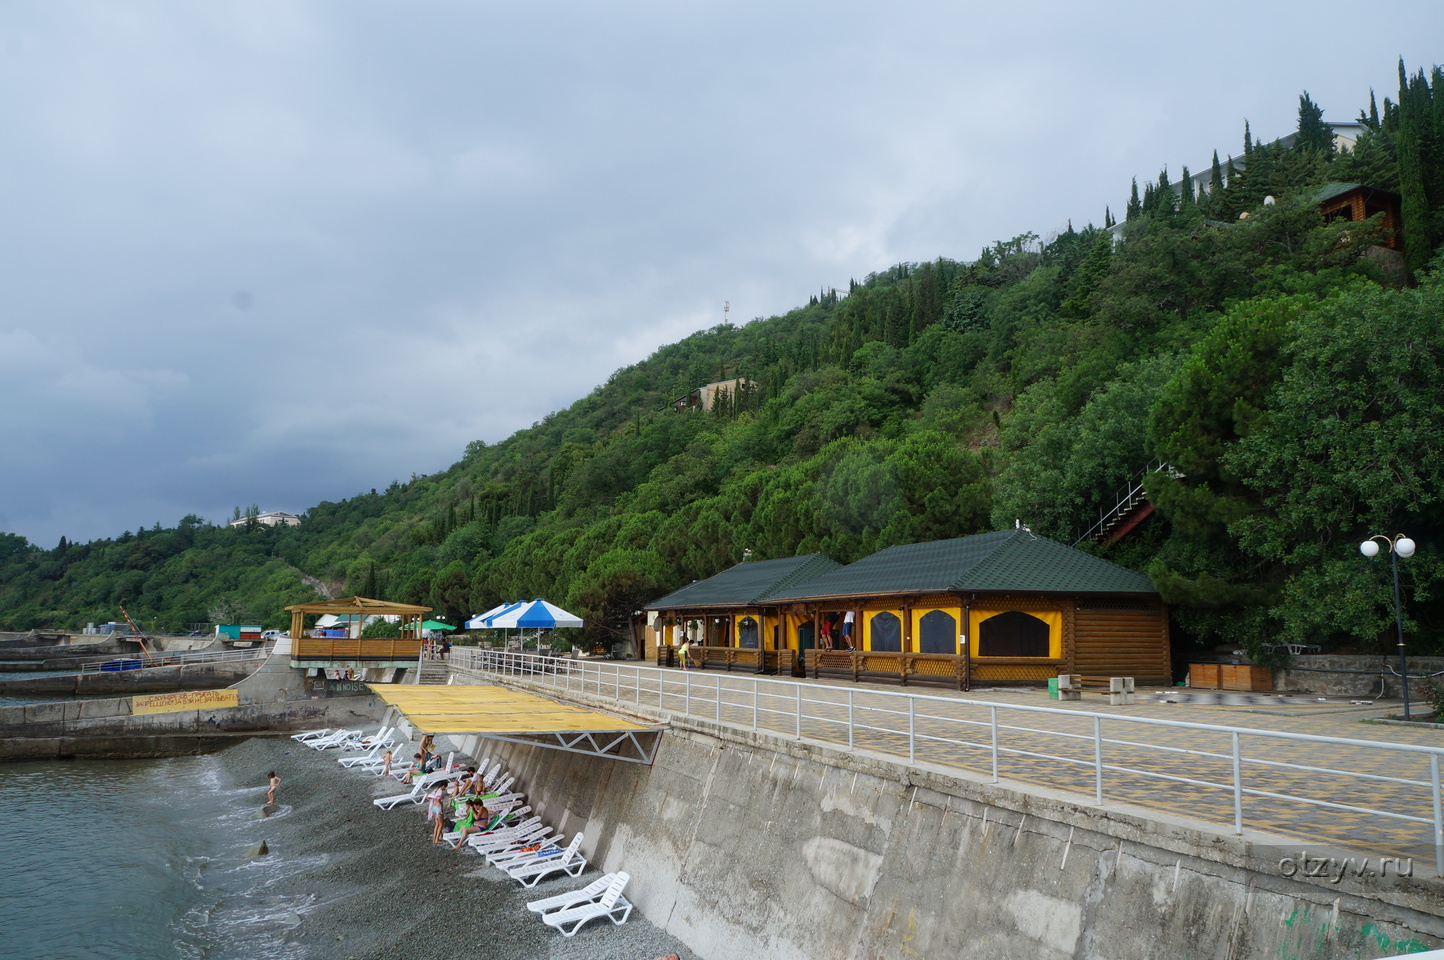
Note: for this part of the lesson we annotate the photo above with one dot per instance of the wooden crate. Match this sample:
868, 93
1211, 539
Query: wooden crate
1237, 676
1203, 675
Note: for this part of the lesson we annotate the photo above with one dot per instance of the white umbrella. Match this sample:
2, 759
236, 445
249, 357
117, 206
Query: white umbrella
537, 615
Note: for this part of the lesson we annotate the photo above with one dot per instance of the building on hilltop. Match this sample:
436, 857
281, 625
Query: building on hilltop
705, 397
273, 519
1345, 136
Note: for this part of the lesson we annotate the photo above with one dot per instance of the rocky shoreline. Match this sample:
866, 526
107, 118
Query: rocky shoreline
374, 886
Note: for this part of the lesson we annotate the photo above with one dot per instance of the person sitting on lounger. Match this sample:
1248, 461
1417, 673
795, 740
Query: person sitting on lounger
418, 767
475, 819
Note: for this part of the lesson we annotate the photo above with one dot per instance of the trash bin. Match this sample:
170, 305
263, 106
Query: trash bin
1052, 688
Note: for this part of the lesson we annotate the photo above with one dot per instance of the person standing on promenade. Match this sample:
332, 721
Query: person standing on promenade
685, 650
275, 782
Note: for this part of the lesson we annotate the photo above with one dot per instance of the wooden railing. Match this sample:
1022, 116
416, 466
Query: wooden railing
905, 668
345, 648
747, 659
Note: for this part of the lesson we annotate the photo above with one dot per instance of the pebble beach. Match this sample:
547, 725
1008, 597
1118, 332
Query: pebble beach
352, 881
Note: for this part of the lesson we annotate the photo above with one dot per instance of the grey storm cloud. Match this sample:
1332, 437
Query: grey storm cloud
278, 252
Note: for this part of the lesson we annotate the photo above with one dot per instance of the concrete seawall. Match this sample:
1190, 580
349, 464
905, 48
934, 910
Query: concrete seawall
200, 676
751, 845
273, 699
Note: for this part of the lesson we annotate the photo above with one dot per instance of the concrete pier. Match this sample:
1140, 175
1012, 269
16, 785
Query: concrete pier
274, 699
199, 676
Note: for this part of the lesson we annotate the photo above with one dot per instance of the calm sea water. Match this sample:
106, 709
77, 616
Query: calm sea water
135, 859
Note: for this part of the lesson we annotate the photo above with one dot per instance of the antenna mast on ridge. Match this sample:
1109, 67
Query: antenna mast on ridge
726, 306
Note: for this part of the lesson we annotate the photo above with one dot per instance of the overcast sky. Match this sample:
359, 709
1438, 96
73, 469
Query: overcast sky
278, 252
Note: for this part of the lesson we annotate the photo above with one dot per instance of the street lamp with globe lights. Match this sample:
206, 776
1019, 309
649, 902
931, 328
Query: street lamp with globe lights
1399, 546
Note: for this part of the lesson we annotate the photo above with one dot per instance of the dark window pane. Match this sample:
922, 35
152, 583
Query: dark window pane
938, 633
886, 633
1013, 634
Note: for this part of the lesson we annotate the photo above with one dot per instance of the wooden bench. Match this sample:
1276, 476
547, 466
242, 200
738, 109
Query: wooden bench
1120, 689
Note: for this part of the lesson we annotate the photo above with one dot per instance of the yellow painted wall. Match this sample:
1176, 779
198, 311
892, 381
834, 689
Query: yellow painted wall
1053, 618
764, 630
917, 626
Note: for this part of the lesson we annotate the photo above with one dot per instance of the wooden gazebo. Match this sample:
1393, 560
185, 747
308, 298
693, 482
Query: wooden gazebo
354, 651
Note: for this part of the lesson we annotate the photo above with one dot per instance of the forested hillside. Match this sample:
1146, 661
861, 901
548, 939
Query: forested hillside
1289, 372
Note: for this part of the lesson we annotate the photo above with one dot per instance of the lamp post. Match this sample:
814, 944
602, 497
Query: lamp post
1399, 546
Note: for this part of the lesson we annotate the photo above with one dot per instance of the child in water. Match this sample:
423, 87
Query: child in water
275, 782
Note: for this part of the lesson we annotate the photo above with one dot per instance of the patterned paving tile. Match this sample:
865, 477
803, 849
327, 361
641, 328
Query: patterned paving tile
1348, 794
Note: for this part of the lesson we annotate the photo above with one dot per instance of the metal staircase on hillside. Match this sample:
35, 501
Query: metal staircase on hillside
1128, 507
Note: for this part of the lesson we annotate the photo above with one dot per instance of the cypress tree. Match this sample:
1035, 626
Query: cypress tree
1135, 206
1215, 177
1108, 220
1247, 141
1187, 196
1414, 200
1313, 133
1372, 120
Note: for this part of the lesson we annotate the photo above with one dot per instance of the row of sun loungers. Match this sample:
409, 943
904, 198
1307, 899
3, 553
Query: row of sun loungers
519, 845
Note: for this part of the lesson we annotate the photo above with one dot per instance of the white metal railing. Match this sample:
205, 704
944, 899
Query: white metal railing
179, 659
1117, 755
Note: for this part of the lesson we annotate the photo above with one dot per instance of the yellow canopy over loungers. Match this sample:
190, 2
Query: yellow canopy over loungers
492, 711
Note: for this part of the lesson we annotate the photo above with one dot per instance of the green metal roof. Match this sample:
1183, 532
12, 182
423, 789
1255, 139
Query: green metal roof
747, 584
1006, 561
1331, 190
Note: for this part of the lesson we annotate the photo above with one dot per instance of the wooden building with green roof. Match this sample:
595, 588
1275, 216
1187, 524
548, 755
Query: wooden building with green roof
1000, 607
731, 617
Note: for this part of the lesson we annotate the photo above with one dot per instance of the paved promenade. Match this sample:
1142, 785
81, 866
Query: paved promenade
1356, 789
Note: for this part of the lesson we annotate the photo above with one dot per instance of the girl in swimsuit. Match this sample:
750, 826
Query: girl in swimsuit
435, 803
275, 782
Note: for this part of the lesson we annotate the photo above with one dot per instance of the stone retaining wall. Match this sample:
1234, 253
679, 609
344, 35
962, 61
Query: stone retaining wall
745, 844
1338, 675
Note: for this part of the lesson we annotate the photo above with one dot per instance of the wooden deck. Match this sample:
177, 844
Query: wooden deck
329, 648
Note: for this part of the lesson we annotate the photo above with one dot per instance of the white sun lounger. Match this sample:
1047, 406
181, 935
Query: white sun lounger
588, 894
418, 789
591, 893
364, 743
332, 739
501, 836
312, 734
383, 742
509, 847
611, 905
571, 862
515, 856
528, 831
